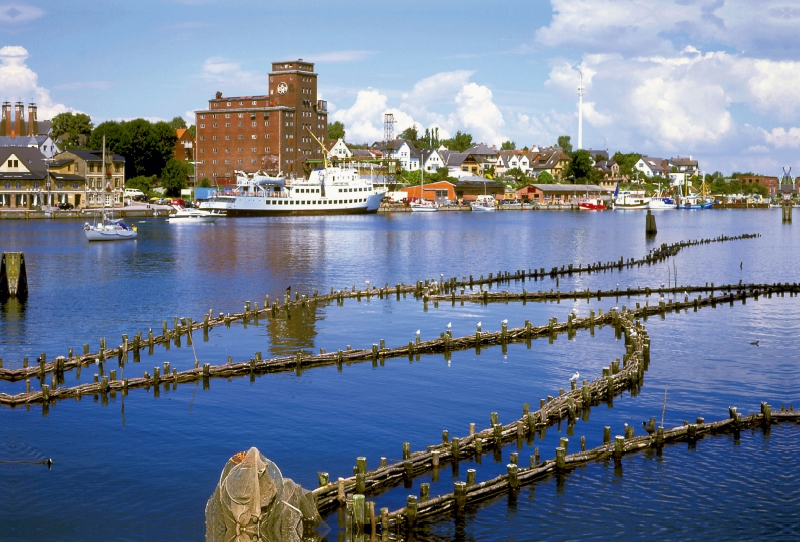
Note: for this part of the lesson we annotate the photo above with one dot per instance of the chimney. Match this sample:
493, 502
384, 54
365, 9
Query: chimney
5, 121
19, 118
33, 120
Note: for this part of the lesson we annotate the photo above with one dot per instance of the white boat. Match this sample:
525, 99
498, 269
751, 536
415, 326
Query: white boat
328, 190
423, 206
661, 202
483, 206
626, 201
109, 229
192, 216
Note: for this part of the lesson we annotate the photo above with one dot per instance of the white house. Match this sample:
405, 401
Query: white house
340, 150
401, 150
431, 160
650, 166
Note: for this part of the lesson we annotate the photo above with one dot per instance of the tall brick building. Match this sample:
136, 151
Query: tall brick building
264, 132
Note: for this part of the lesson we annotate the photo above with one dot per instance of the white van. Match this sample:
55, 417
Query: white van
131, 193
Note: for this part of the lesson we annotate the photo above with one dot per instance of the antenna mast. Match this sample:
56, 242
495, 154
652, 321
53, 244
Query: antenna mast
581, 92
388, 135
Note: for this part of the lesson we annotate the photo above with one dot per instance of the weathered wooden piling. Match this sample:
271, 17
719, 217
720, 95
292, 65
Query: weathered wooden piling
13, 276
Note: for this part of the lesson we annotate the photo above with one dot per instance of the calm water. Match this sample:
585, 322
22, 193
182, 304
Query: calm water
144, 468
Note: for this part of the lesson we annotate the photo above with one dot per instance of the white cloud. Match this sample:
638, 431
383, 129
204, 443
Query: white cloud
652, 26
15, 14
19, 82
445, 100
339, 56
782, 138
218, 69
594, 117
478, 114
364, 120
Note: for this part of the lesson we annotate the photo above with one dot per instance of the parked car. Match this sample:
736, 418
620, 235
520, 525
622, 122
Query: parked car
142, 198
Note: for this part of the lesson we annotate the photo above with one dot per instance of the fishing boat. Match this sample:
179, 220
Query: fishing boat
661, 202
327, 190
192, 216
626, 201
108, 229
693, 202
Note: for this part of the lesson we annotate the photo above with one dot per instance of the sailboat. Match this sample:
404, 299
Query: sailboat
108, 229
422, 205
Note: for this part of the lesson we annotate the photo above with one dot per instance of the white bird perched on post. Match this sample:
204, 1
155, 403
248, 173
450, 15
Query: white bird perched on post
449, 325
575, 377
479, 325
614, 308
504, 321
417, 333
574, 310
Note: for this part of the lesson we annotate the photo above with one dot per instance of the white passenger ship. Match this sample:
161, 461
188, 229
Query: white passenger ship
329, 190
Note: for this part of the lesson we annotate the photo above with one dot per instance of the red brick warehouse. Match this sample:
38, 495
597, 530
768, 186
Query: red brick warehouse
265, 132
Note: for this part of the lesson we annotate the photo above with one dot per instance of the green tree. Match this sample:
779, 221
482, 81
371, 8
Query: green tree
192, 131
518, 175
410, 134
508, 146
204, 183
442, 174
336, 131
565, 144
145, 184
173, 177
719, 186
177, 122
580, 167
146, 146
73, 129
626, 162
545, 178
460, 142
117, 139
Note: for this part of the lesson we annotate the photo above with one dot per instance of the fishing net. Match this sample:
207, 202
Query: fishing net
254, 502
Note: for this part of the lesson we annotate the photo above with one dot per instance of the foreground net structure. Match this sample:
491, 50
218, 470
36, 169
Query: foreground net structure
253, 501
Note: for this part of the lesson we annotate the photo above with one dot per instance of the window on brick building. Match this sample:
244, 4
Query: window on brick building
202, 116
214, 138
214, 125
254, 136
227, 137
241, 149
229, 104
254, 149
202, 138
214, 115
227, 115
241, 136
227, 150
266, 123
227, 125
241, 161
266, 149
213, 150
227, 161
214, 162
241, 115
202, 151
202, 126
253, 124
252, 160
266, 136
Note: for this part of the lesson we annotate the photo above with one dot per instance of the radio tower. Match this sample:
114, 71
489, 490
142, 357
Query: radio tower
388, 136
581, 92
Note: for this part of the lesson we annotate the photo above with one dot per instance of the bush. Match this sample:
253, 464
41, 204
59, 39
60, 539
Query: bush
145, 184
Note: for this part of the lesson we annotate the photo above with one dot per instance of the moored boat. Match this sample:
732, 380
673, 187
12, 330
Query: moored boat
423, 206
109, 229
327, 190
192, 216
595, 205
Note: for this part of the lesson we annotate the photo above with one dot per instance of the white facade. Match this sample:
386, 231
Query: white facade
648, 166
433, 162
340, 150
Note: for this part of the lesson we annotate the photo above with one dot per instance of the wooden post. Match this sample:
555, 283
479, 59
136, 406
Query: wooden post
470, 477
493, 420
607, 434
445, 436
424, 491
358, 511
406, 450
564, 443
513, 479
461, 495
619, 446
454, 450
561, 454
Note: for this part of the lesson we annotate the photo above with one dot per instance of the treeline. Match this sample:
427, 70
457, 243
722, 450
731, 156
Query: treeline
148, 147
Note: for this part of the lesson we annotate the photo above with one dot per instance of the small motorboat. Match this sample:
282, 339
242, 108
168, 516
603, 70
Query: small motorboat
591, 205
192, 216
423, 206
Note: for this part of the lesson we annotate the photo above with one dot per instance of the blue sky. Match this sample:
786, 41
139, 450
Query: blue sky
663, 77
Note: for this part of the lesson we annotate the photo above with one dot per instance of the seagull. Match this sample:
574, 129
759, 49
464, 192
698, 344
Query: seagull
663, 285
288, 290
504, 321
575, 377
417, 333
685, 292
479, 324
650, 430
367, 283
661, 299
449, 325
614, 308
574, 310
754, 343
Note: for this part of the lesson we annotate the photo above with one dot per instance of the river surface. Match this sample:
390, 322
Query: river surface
143, 467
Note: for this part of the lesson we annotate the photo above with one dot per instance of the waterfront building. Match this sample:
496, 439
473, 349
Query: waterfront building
25, 181
551, 193
551, 160
439, 192
469, 188
340, 149
770, 183
88, 165
402, 150
263, 132
184, 146
651, 167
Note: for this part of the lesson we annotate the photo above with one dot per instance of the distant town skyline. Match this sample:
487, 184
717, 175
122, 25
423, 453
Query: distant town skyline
663, 78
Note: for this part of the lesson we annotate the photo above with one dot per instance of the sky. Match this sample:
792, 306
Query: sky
713, 79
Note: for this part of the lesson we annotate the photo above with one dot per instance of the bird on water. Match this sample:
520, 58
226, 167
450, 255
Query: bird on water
754, 343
